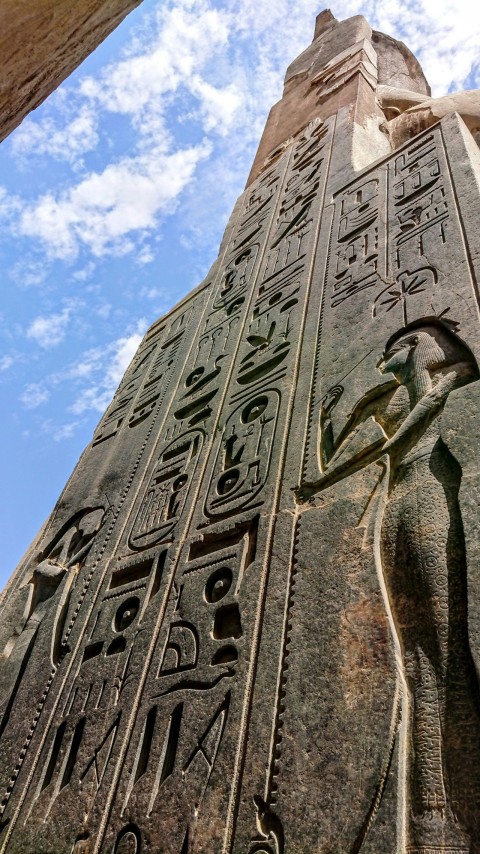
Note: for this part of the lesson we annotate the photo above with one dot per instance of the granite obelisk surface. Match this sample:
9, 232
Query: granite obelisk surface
252, 622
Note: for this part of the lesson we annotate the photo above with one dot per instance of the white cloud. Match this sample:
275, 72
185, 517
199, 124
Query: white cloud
85, 367
104, 208
68, 143
181, 39
84, 273
218, 106
28, 273
124, 351
108, 209
62, 431
10, 205
34, 395
103, 310
105, 367
145, 256
91, 379
49, 330
152, 293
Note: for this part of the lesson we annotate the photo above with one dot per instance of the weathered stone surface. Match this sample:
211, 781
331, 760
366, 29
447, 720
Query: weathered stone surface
252, 623
423, 113
42, 42
334, 76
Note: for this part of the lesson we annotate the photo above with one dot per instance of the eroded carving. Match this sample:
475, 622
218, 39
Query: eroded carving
50, 586
167, 491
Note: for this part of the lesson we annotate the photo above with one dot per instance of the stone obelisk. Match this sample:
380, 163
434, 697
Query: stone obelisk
252, 622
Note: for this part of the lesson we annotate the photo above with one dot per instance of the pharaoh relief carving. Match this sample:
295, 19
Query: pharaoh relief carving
420, 556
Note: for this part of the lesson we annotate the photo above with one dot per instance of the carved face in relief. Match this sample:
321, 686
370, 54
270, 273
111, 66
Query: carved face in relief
428, 347
396, 358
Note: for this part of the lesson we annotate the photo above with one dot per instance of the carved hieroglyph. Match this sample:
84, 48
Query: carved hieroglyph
252, 623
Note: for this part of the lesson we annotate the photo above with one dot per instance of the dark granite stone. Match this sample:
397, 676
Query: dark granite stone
251, 624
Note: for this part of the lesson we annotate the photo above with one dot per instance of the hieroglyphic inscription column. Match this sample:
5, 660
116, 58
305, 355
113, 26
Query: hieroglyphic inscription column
195, 700
167, 479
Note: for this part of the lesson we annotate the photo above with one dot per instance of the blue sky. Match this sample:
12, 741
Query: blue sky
114, 195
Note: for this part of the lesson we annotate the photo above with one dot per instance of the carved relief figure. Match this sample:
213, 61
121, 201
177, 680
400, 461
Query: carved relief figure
421, 555
49, 586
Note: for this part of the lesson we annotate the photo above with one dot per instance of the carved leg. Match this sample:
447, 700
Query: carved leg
415, 559
426, 790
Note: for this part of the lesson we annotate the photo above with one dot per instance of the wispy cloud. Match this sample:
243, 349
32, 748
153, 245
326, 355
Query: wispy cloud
124, 350
68, 142
180, 40
218, 106
29, 273
10, 205
90, 381
59, 432
83, 274
34, 395
98, 371
49, 330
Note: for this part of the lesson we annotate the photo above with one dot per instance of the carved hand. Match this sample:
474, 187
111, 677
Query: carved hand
331, 399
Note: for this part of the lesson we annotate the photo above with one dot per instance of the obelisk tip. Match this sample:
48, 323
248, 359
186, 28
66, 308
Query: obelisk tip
322, 21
